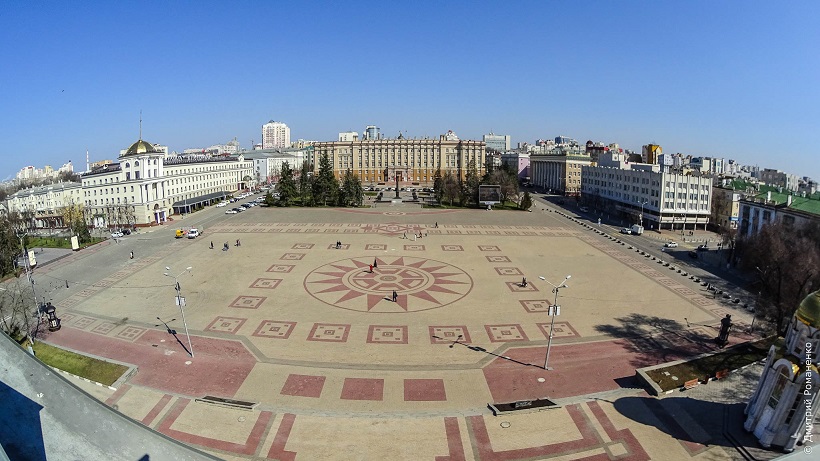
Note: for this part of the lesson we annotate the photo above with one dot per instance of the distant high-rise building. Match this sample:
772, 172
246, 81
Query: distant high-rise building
650, 153
275, 135
497, 142
371, 133
348, 136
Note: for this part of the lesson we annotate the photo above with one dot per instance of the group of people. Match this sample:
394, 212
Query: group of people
338, 244
225, 246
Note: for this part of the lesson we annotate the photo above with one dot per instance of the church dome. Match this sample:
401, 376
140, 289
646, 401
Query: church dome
140, 147
809, 310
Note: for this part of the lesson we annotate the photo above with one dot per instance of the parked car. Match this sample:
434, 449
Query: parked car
231, 211
221, 204
693, 254
703, 247
193, 233
626, 230
671, 244
238, 209
116, 235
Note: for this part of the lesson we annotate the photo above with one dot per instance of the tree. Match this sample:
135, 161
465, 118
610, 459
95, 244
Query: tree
286, 186
326, 186
9, 242
438, 185
507, 181
451, 187
786, 263
352, 191
73, 214
306, 183
526, 201
471, 183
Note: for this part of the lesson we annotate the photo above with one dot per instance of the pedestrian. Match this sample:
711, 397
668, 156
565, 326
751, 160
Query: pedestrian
132, 255
371, 268
405, 235
225, 247
375, 263
524, 282
66, 283
436, 224
395, 296
237, 242
212, 244
426, 234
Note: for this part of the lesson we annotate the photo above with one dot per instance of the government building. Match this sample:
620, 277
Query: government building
410, 161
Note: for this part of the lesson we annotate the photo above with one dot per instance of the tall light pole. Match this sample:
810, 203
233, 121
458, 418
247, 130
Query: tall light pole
553, 312
181, 302
642, 204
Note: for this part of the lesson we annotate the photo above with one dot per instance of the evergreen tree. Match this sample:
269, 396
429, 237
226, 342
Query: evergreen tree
287, 185
358, 191
526, 201
438, 185
471, 183
325, 186
306, 184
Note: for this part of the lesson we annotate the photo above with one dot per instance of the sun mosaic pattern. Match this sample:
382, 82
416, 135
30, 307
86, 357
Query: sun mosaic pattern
419, 283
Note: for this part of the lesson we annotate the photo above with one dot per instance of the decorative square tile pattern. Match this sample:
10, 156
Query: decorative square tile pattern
266, 283
130, 333
414, 248
516, 287
248, 302
302, 246
488, 247
452, 248
685, 291
226, 324
560, 330
448, 334
536, 305
375, 246
508, 271
103, 328
387, 334
303, 386
504, 333
83, 322
424, 390
363, 389
274, 329
66, 318
281, 268
498, 259
335, 333
292, 256
703, 302
344, 246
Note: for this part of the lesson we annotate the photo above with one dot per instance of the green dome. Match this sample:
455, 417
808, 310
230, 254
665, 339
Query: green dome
140, 147
809, 310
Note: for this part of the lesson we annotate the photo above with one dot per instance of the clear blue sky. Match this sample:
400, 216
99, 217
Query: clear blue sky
736, 79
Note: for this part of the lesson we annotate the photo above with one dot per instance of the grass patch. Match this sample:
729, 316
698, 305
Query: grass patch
57, 242
704, 367
87, 367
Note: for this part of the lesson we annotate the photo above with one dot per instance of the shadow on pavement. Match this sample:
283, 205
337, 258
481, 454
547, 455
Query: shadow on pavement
21, 433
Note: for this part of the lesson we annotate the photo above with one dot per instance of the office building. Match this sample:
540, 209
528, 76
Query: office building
347, 136
371, 133
42, 206
275, 135
559, 170
410, 160
497, 142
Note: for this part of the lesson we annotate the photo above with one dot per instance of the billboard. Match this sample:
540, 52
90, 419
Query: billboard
489, 195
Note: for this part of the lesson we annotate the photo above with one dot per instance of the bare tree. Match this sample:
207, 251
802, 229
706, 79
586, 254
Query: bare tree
786, 263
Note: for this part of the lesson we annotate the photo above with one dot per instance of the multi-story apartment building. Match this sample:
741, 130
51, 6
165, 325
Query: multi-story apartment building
497, 142
658, 199
267, 163
780, 179
347, 136
518, 162
559, 171
768, 207
405, 159
44, 205
147, 186
275, 135
726, 207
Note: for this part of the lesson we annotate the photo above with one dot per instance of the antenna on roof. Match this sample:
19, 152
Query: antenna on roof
140, 124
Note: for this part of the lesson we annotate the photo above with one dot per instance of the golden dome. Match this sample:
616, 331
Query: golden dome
809, 310
140, 147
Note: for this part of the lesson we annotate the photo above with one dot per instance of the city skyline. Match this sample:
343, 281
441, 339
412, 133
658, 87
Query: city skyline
726, 80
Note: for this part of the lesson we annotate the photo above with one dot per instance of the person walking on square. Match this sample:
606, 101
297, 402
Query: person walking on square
395, 296
375, 263
212, 244
225, 247
132, 255
524, 282
371, 268
436, 225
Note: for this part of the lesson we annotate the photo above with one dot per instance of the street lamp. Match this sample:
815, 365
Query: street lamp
553, 312
181, 302
641, 216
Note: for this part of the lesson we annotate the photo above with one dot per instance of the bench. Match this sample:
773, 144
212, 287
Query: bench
692, 383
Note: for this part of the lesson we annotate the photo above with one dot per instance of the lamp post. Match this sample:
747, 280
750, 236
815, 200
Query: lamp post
553, 312
181, 302
641, 216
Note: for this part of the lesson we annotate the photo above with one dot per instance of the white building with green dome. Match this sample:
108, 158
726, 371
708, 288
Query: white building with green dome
785, 404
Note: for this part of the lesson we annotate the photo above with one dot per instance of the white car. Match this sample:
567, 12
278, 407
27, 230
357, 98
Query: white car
230, 211
626, 231
221, 204
671, 244
116, 235
193, 233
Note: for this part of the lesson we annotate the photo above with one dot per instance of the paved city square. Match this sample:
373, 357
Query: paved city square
308, 332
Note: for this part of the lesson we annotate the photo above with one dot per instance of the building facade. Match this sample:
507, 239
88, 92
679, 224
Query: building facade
780, 179
147, 186
725, 208
267, 163
756, 212
44, 205
403, 159
348, 136
518, 162
559, 171
658, 199
275, 135
497, 142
